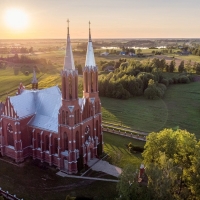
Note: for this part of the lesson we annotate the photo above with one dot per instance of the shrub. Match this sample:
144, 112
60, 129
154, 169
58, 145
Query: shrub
165, 82
171, 81
184, 79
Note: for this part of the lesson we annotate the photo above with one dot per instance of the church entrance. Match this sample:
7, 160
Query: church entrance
99, 149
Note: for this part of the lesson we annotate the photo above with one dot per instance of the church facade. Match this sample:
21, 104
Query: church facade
53, 125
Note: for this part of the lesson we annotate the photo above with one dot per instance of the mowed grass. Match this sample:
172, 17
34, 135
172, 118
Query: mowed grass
115, 146
31, 182
9, 82
180, 107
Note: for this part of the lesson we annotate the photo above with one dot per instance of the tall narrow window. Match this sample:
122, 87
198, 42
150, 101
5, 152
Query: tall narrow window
64, 88
65, 141
78, 116
38, 140
70, 87
77, 140
75, 117
67, 118
97, 128
47, 142
63, 117
92, 81
86, 80
56, 145
76, 87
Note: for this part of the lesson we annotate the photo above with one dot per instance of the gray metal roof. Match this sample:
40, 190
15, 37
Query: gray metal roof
90, 60
43, 104
69, 59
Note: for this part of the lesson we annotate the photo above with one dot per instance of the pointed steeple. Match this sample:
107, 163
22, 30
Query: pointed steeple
68, 60
34, 81
90, 61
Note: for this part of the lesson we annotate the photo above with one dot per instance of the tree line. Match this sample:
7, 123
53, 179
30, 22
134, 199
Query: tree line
135, 78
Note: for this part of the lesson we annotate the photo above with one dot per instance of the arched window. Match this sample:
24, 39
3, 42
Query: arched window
47, 142
65, 141
56, 145
63, 117
70, 87
75, 117
64, 88
67, 118
97, 128
92, 81
38, 140
10, 135
86, 80
77, 140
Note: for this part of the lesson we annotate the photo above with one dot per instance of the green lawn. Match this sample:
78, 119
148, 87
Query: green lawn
115, 146
31, 182
180, 107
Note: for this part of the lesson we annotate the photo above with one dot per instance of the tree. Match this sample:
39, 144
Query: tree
128, 187
181, 67
139, 51
172, 66
172, 160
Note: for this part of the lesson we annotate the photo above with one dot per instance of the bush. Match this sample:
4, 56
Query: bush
133, 148
165, 82
171, 81
184, 79
26, 73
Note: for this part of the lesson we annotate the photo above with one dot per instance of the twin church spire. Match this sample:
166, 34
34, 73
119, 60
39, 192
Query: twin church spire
69, 60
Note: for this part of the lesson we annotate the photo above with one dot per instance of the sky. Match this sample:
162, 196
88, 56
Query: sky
109, 18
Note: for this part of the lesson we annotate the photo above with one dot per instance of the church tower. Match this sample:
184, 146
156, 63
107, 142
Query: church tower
90, 72
91, 94
34, 81
69, 113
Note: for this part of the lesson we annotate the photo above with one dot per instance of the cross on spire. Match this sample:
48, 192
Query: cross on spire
68, 26
89, 32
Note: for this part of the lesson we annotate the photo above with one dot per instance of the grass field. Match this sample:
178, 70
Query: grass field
180, 107
28, 182
115, 146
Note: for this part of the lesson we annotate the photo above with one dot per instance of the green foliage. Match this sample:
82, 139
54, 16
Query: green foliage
154, 90
128, 187
70, 198
172, 159
181, 67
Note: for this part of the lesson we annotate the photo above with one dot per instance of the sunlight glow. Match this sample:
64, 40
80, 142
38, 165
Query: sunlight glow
16, 19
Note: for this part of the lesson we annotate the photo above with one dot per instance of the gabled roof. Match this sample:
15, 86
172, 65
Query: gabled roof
43, 104
69, 59
90, 60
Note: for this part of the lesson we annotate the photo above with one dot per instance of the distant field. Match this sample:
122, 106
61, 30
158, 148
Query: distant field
180, 107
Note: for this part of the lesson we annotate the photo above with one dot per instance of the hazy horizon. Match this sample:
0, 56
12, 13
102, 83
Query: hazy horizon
37, 19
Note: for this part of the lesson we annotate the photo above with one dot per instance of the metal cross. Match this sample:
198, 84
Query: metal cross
68, 22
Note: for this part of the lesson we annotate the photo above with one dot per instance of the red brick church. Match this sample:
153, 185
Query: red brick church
56, 127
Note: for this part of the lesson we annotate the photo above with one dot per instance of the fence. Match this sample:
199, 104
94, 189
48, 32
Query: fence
8, 196
124, 133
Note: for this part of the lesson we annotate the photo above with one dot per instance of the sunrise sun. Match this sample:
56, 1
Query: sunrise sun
16, 19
